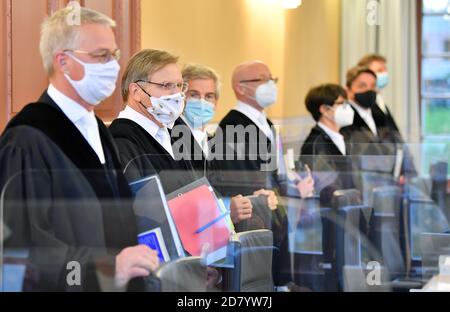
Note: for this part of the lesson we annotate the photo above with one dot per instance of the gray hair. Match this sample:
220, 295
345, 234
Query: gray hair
61, 31
195, 71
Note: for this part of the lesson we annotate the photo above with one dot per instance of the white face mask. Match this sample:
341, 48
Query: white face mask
266, 94
343, 115
166, 109
98, 83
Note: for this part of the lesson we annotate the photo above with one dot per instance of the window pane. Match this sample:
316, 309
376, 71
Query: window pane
436, 116
436, 6
436, 34
434, 150
436, 76
425, 218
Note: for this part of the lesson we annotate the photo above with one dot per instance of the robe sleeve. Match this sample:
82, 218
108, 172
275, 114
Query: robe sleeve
136, 166
50, 214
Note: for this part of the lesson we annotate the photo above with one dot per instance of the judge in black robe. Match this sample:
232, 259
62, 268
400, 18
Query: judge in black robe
143, 156
386, 122
60, 203
332, 169
239, 161
245, 175
185, 144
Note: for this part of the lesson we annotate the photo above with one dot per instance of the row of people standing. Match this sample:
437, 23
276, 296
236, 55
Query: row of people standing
65, 175
71, 172
353, 122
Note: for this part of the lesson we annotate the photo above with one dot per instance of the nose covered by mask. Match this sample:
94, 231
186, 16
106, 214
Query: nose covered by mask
366, 99
166, 109
266, 94
344, 115
98, 83
199, 112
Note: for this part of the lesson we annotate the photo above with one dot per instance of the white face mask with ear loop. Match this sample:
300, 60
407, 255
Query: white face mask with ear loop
166, 109
343, 115
265, 94
99, 81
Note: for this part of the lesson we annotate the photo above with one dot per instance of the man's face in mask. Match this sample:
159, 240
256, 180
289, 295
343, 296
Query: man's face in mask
164, 81
247, 79
202, 89
378, 67
363, 83
96, 39
97, 44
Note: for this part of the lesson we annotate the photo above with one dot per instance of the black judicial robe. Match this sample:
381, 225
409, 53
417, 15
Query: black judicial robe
234, 175
187, 145
363, 140
143, 156
247, 177
61, 203
321, 154
387, 122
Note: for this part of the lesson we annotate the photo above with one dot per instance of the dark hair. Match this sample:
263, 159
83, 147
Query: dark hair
370, 58
324, 94
355, 72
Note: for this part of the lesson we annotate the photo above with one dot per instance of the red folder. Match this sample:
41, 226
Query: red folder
198, 209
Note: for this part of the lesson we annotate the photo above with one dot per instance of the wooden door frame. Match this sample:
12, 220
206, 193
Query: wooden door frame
130, 42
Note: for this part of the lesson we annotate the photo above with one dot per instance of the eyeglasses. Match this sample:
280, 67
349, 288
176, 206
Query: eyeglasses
210, 97
275, 80
103, 56
169, 86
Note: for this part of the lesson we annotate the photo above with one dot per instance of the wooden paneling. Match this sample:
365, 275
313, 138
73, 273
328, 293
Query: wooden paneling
28, 75
5, 57
22, 77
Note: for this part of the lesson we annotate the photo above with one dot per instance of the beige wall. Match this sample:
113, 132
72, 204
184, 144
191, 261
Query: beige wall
301, 46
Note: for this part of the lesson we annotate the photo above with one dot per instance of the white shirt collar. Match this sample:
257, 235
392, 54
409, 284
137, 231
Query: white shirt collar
128, 113
381, 103
366, 115
150, 126
84, 120
73, 110
258, 117
200, 135
336, 137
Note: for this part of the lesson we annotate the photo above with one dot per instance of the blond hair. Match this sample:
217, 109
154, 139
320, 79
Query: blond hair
142, 65
195, 71
61, 31
368, 59
355, 72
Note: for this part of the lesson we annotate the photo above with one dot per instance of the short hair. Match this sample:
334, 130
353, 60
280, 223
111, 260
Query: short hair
355, 72
59, 32
370, 58
142, 65
196, 71
325, 94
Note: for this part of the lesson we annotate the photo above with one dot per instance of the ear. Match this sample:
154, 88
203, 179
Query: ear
133, 92
239, 89
323, 109
60, 61
349, 93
